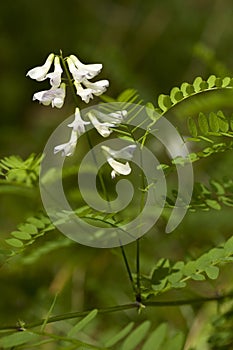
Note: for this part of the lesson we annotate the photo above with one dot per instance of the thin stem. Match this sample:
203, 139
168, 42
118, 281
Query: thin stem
70, 80
123, 307
138, 294
128, 269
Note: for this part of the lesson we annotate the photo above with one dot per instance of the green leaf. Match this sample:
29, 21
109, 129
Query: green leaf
219, 189
119, 336
226, 81
17, 339
127, 95
175, 277
164, 102
198, 277
211, 81
81, 324
203, 123
228, 246
136, 336
156, 338
21, 235
14, 242
187, 89
213, 204
190, 268
29, 228
212, 272
213, 122
197, 84
36, 222
176, 95
192, 127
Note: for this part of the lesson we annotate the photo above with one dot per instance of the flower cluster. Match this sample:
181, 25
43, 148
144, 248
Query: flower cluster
81, 74
104, 123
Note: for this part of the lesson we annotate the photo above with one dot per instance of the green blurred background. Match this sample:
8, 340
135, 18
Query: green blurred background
149, 45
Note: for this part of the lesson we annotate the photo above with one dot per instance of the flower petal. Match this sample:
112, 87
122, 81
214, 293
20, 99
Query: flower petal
125, 153
39, 73
98, 88
54, 96
102, 128
114, 117
68, 148
78, 124
119, 168
85, 94
88, 70
55, 77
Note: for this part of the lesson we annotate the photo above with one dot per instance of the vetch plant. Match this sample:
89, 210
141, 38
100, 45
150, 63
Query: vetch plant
103, 147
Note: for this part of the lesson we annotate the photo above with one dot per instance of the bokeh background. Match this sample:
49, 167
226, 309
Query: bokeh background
149, 45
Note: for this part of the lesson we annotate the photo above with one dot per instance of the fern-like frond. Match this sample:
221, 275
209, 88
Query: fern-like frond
210, 127
166, 276
16, 171
27, 233
178, 94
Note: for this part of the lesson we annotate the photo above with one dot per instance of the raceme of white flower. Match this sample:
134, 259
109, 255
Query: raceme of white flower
118, 167
40, 73
81, 74
78, 124
68, 148
54, 96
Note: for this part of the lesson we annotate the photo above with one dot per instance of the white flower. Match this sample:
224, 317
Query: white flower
39, 73
118, 167
114, 117
85, 94
54, 96
98, 88
55, 77
102, 128
78, 124
83, 71
67, 149
125, 153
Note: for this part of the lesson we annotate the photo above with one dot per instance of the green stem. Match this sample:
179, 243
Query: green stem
138, 294
128, 270
123, 307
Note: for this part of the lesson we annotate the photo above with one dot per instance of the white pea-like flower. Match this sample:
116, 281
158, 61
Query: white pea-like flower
40, 73
55, 77
118, 167
83, 71
54, 96
102, 128
68, 148
98, 88
114, 117
85, 94
78, 124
